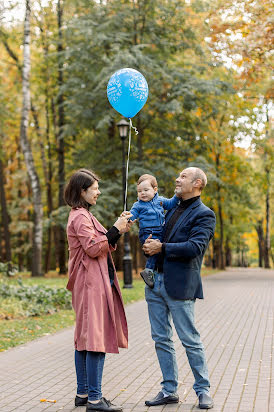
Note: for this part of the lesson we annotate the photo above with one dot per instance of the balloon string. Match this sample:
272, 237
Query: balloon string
135, 128
128, 153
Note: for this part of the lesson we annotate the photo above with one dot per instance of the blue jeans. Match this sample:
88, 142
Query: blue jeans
89, 371
156, 233
161, 309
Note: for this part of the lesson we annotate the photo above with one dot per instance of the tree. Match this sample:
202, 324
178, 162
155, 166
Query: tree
241, 32
26, 149
195, 114
60, 139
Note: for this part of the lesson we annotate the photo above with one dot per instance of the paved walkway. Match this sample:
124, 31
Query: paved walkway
236, 324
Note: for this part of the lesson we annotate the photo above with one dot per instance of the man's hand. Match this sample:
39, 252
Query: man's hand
152, 246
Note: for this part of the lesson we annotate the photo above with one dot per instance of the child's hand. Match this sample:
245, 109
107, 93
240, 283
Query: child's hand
149, 237
126, 214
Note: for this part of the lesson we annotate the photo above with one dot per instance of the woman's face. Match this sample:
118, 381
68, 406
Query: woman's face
91, 194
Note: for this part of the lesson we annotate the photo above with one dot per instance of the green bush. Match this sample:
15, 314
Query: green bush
32, 300
8, 269
11, 308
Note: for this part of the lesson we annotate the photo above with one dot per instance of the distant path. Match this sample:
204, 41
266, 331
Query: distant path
236, 324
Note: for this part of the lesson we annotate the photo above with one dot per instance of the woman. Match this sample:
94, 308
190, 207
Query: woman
101, 325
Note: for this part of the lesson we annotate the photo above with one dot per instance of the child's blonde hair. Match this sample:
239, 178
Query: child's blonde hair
152, 180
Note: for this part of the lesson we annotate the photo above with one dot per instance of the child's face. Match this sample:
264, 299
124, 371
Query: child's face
145, 191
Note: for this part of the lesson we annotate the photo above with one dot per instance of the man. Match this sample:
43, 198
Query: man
187, 232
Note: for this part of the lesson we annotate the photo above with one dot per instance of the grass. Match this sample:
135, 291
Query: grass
14, 332
17, 331
207, 271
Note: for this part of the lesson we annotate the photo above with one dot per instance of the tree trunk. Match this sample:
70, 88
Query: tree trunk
260, 233
2, 257
19, 242
49, 191
267, 246
215, 253
26, 149
221, 243
55, 228
220, 214
111, 130
5, 216
60, 142
208, 258
48, 167
47, 170
228, 254
267, 218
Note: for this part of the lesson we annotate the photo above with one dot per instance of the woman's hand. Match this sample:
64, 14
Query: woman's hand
122, 223
128, 226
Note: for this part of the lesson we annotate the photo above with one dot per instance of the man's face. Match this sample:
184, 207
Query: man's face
184, 184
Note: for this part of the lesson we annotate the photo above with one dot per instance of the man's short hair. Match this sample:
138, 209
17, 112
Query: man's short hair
199, 174
152, 180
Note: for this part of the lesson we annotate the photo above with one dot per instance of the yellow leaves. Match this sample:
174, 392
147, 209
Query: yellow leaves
239, 63
48, 400
213, 125
199, 112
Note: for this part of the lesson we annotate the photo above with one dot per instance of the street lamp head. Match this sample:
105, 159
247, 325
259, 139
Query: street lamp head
123, 126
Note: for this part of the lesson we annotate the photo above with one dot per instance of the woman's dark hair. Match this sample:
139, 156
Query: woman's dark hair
80, 180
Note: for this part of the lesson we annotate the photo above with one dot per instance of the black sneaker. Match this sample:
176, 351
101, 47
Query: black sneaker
103, 405
148, 276
81, 401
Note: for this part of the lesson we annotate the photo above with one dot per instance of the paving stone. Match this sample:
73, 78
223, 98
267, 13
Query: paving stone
236, 322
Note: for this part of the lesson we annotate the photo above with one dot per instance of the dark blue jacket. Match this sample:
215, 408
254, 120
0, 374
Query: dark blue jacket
151, 214
184, 251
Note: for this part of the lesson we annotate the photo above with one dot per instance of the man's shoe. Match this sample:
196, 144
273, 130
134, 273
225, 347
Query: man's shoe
205, 401
81, 401
103, 405
148, 276
161, 399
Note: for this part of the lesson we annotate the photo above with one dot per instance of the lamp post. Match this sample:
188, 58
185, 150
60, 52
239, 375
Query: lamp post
123, 127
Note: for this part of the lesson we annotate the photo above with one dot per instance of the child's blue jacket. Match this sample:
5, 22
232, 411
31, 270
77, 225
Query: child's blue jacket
151, 214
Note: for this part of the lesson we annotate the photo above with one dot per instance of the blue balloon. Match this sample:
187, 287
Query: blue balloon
127, 92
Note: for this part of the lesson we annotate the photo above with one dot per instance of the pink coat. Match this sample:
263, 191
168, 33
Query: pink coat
101, 324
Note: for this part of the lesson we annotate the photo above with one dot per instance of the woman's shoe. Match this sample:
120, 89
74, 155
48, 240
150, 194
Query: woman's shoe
103, 405
80, 401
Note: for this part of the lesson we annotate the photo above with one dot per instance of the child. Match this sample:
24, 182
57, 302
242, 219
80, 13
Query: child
149, 209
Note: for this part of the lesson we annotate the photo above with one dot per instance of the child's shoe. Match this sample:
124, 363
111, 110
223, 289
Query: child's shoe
148, 276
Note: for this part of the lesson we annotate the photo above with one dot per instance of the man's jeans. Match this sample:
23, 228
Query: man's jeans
89, 371
161, 308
